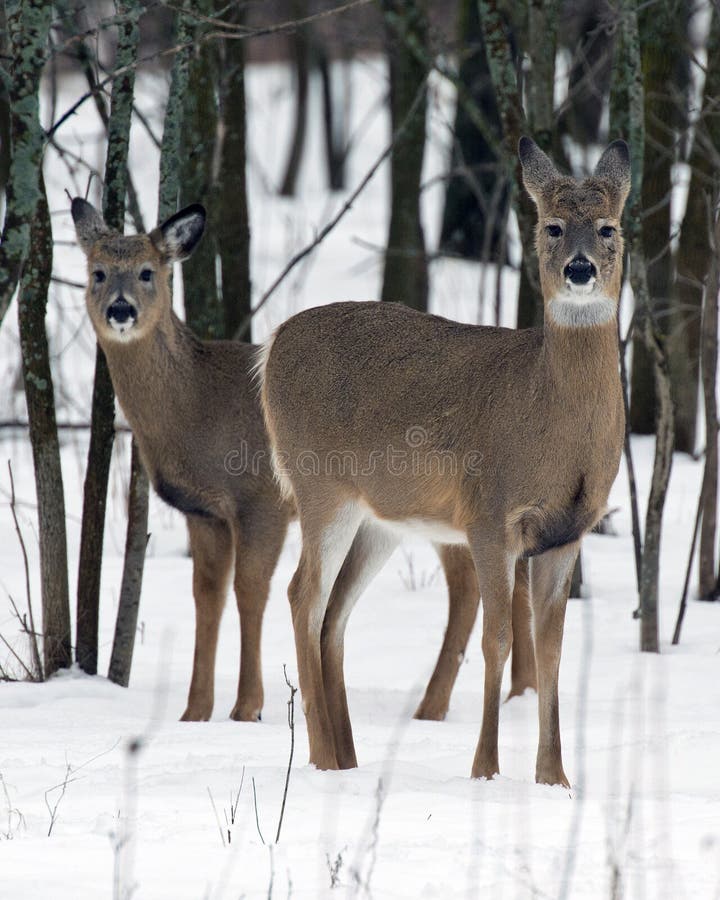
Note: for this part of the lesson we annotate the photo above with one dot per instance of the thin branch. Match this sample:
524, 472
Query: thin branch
691, 556
291, 725
323, 233
257, 817
37, 664
217, 817
195, 42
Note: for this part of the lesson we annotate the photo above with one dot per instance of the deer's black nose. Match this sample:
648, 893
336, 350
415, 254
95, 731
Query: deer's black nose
580, 270
120, 311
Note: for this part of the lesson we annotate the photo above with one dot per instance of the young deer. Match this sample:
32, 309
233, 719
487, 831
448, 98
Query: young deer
532, 418
191, 402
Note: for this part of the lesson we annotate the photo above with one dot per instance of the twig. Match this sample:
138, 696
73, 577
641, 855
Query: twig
291, 725
637, 545
323, 233
691, 557
257, 817
217, 817
34, 650
53, 810
193, 43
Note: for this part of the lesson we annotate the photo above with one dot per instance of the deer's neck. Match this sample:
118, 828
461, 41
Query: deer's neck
152, 375
582, 363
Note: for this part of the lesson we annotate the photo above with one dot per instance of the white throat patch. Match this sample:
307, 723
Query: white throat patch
584, 309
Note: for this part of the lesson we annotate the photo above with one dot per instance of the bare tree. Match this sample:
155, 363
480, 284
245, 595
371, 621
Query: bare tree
102, 431
405, 274
26, 262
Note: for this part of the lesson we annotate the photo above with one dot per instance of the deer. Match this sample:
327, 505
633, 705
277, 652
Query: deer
190, 403
534, 419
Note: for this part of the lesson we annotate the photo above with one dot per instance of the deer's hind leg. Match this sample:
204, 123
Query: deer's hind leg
370, 550
463, 601
328, 528
211, 546
523, 668
258, 542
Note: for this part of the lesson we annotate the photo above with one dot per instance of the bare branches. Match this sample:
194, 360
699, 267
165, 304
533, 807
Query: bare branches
37, 670
291, 726
222, 33
323, 233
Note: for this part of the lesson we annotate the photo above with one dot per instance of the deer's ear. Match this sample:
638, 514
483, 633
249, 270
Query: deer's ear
181, 233
538, 170
89, 223
614, 168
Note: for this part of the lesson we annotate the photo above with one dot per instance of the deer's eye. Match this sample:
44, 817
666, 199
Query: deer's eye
98, 276
146, 275
554, 231
606, 231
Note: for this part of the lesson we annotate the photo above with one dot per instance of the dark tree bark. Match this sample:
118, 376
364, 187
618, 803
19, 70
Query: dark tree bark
27, 32
135, 545
301, 59
708, 586
233, 233
103, 407
477, 197
39, 393
4, 107
199, 184
662, 57
694, 255
333, 121
512, 116
26, 258
405, 274
627, 118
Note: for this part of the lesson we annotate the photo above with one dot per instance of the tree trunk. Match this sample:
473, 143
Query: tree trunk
27, 33
333, 121
135, 544
103, 406
627, 116
301, 59
694, 255
26, 257
477, 195
199, 167
233, 233
405, 274
708, 587
32, 305
4, 108
509, 100
661, 52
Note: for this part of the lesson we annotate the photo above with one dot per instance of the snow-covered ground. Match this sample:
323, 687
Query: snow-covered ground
641, 733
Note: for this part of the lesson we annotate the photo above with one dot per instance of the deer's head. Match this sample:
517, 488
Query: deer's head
128, 289
578, 237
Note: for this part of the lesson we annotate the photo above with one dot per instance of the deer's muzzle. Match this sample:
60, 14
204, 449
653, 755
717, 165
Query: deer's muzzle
121, 315
579, 270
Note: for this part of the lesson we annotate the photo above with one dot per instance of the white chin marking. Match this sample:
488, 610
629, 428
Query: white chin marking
581, 307
122, 330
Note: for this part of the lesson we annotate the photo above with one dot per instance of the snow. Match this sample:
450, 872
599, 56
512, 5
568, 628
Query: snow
641, 733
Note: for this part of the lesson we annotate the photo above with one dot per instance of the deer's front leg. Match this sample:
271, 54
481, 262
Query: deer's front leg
496, 574
212, 554
550, 576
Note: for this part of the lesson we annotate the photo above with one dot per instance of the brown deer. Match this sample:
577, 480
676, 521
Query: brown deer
191, 403
533, 419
